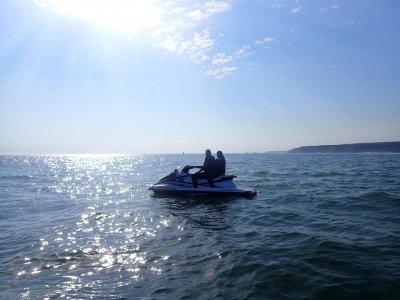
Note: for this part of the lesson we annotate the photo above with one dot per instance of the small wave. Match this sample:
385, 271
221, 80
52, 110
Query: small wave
328, 174
378, 195
53, 261
375, 199
262, 173
16, 177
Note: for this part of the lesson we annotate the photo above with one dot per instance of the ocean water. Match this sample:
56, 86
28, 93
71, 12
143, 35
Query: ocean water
86, 227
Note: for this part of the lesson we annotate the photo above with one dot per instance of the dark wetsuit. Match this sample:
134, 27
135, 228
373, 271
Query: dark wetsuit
208, 171
220, 166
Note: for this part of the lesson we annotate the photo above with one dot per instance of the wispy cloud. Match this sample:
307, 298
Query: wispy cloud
221, 64
177, 26
296, 10
333, 6
208, 9
220, 73
199, 46
242, 52
221, 58
195, 48
267, 39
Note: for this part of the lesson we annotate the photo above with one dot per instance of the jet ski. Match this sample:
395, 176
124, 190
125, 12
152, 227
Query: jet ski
180, 183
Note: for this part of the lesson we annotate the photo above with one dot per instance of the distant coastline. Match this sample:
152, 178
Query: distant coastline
384, 147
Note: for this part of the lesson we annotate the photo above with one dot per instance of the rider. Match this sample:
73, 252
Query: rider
206, 170
220, 165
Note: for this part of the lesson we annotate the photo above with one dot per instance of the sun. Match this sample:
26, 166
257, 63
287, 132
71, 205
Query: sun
129, 16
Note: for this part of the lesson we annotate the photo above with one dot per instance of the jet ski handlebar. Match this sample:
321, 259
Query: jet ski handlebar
188, 167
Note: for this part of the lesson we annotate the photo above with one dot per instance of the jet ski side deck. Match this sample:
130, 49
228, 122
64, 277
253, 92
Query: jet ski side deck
180, 183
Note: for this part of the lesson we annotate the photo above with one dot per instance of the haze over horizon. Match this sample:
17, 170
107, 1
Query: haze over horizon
182, 76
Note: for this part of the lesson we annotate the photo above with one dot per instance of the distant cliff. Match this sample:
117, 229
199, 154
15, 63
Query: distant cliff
388, 147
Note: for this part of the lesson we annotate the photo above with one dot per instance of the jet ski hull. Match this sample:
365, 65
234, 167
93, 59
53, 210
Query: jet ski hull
180, 183
198, 191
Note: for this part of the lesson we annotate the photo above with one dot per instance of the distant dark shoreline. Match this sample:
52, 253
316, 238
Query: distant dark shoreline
384, 147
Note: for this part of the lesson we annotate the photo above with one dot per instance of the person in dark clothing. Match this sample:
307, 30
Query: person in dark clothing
206, 170
220, 165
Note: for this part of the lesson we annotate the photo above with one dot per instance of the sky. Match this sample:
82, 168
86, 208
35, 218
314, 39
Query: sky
119, 76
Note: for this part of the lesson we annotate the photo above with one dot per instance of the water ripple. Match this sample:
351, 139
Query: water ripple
321, 227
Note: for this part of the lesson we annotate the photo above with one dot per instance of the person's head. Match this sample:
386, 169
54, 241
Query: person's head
208, 152
219, 154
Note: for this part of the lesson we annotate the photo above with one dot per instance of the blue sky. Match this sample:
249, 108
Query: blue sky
170, 76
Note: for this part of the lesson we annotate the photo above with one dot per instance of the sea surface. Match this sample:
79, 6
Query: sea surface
86, 227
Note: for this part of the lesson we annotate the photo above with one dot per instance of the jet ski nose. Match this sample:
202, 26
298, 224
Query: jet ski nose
150, 188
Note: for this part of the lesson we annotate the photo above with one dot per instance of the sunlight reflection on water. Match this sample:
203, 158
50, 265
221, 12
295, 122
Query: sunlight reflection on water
100, 242
104, 238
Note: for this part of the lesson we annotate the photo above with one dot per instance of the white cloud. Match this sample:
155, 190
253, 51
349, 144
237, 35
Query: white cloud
178, 10
267, 39
220, 73
217, 6
333, 6
198, 57
177, 31
202, 40
197, 14
242, 52
169, 44
296, 10
195, 49
198, 47
221, 58
225, 59
208, 9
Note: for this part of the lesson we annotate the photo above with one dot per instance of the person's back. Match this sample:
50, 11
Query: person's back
220, 165
209, 164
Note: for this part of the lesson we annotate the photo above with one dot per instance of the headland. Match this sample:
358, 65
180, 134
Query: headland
383, 147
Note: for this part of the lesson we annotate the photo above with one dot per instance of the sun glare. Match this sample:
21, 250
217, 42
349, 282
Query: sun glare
129, 16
